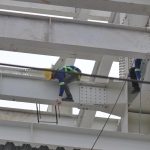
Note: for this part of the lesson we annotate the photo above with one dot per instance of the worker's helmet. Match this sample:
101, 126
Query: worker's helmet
48, 75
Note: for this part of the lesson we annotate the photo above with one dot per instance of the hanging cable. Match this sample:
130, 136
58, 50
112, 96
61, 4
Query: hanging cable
37, 112
83, 74
101, 131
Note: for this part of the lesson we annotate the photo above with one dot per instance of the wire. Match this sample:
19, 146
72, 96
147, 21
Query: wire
83, 74
101, 131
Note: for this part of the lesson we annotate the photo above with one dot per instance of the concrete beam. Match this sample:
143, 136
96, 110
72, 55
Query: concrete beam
40, 134
71, 38
124, 6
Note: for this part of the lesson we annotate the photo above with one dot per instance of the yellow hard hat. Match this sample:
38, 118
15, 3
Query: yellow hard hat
48, 75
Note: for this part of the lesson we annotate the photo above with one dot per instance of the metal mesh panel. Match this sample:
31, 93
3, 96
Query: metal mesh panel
92, 95
123, 67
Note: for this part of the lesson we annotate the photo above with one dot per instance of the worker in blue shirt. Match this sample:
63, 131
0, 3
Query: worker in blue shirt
135, 73
66, 75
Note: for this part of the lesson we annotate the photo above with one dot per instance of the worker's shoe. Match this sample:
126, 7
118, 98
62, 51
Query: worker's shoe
68, 99
136, 90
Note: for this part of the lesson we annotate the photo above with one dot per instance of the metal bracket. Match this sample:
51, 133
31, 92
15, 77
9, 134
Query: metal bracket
39, 115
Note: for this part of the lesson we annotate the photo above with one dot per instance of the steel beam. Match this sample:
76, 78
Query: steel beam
20, 115
125, 6
82, 14
35, 8
86, 118
71, 38
38, 10
52, 135
87, 96
104, 68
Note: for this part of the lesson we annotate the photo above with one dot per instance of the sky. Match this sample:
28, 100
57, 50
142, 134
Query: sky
44, 61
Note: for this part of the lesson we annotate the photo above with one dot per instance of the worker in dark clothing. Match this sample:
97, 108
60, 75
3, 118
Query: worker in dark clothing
135, 74
66, 75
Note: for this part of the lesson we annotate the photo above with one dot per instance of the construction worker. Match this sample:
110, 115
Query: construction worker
66, 75
135, 73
